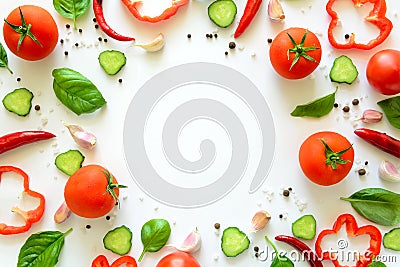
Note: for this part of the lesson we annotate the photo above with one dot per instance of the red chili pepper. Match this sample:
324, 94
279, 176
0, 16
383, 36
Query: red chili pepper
30, 216
17, 139
98, 13
101, 261
133, 5
252, 6
305, 250
376, 16
380, 140
352, 230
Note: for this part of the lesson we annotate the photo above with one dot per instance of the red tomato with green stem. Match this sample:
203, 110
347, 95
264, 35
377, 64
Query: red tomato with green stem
295, 53
178, 259
383, 71
30, 32
91, 192
326, 157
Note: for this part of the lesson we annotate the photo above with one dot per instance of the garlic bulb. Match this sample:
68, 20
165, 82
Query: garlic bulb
389, 172
275, 10
259, 221
192, 242
83, 138
155, 45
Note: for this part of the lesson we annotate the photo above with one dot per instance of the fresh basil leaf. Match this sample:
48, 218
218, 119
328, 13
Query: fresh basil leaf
281, 261
4, 59
42, 249
154, 234
76, 92
317, 108
391, 108
376, 264
377, 205
71, 9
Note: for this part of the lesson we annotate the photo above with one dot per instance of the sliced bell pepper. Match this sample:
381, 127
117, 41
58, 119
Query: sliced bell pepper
30, 216
101, 261
133, 6
376, 16
352, 230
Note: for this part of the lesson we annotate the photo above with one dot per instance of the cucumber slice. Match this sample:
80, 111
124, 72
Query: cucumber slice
234, 242
304, 227
69, 161
391, 239
222, 12
118, 240
19, 101
343, 70
112, 61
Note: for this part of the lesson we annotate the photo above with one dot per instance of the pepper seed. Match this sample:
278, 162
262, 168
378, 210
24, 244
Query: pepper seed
232, 45
269, 40
362, 172
256, 249
189, 36
347, 36
37, 107
286, 193
346, 109
217, 226
336, 105
355, 102
88, 226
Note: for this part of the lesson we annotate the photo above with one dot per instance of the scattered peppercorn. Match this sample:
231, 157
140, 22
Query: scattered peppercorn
217, 225
290, 189
347, 36
76, 44
120, 80
362, 172
256, 249
346, 109
208, 35
280, 216
215, 35
18, 79
94, 20
37, 107
116, 203
232, 45
105, 40
88, 226
366, 163
96, 26
189, 36
256, 254
67, 26
100, 39
336, 105
226, 53
108, 217
355, 102
80, 30
269, 40
62, 41
286, 193
66, 53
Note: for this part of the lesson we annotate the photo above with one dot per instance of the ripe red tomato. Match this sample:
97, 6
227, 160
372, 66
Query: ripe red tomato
42, 27
313, 156
178, 259
383, 71
278, 53
89, 191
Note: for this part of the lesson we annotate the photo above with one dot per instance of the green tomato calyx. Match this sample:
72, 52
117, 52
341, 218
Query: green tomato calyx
300, 50
334, 158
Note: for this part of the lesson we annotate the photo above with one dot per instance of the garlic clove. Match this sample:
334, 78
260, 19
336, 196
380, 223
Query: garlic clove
155, 45
192, 242
259, 221
389, 172
371, 116
62, 213
275, 10
83, 138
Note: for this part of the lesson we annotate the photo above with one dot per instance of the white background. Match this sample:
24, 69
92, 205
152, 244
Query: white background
250, 58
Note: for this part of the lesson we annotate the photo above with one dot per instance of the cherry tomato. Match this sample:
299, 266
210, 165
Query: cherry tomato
39, 24
91, 192
383, 71
282, 45
178, 259
320, 147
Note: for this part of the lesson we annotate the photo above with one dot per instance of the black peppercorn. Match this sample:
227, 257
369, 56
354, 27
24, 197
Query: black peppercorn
215, 35
280, 216
120, 80
232, 45
66, 53
105, 40
62, 41
355, 102
347, 36
100, 39
80, 30
189, 36
366, 163
108, 217
217, 225
256, 254
88, 226
346, 109
18, 79
256, 249
362, 172
37, 107
96, 26
76, 44
94, 20
226, 53
336, 105
269, 40
68, 26
286, 193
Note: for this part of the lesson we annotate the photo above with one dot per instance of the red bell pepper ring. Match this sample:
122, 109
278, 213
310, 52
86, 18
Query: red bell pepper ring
30, 216
352, 230
133, 6
376, 16
101, 261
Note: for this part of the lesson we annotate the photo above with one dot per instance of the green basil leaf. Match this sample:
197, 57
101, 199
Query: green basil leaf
42, 249
76, 92
282, 261
376, 264
154, 234
71, 9
4, 59
317, 108
391, 108
377, 205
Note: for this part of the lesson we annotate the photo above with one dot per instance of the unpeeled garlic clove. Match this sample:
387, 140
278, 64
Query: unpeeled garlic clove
62, 213
259, 221
389, 172
155, 45
192, 242
83, 138
371, 116
275, 10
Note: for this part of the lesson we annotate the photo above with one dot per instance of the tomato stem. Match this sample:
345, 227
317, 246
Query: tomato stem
23, 30
334, 158
111, 186
300, 50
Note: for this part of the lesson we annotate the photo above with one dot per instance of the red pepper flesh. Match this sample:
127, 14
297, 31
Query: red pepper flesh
98, 13
31, 216
17, 139
302, 248
376, 16
380, 140
133, 6
252, 6
352, 230
101, 261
